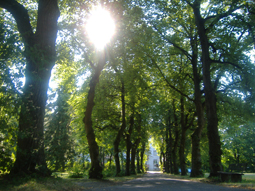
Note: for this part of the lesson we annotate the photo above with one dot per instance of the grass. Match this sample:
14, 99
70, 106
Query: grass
248, 181
58, 182
123, 178
39, 184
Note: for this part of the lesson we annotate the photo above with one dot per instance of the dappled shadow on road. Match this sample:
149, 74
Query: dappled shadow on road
159, 181
155, 181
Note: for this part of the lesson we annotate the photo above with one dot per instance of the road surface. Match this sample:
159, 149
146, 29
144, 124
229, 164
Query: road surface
159, 182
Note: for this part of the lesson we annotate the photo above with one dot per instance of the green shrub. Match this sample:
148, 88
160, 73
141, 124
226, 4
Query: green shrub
6, 159
77, 171
109, 170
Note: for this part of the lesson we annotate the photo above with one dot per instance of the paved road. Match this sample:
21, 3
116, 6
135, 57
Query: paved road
161, 182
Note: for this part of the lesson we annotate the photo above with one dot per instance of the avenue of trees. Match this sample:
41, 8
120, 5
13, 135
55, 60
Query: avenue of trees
178, 73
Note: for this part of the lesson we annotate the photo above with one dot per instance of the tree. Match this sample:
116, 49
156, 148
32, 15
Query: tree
9, 94
183, 29
204, 24
179, 34
136, 143
95, 169
40, 57
59, 141
110, 124
121, 130
238, 145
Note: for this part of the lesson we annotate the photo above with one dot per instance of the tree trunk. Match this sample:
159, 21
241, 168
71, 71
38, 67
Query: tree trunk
128, 147
170, 157
132, 164
162, 156
196, 136
110, 160
95, 170
142, 156
133, 154
174, 152
182, 154
138, 169
121, 130
40, 57
102, 157
169, 147
210, 96
183, 139
122, 161
129, 144
168, 151
196, 156
136, 144
176, 140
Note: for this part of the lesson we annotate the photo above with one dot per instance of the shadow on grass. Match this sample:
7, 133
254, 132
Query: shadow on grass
29, 183
57, 182
248, 181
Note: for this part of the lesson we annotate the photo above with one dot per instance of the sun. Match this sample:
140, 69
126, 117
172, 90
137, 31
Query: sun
100, 27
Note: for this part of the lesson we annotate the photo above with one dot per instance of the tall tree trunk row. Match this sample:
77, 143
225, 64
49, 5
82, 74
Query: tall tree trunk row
121, 130
95, 170
196, 170
210, 95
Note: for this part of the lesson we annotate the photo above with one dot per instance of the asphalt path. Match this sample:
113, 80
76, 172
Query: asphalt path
161, 182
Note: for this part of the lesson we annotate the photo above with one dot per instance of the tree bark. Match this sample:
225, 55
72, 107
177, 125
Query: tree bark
40, 58
138, 168
136, 144
129, 144
210, 95
176, 140
183, 139
121, 131
128, 147
95, 170
168, 151
122, 161
196, 136
110, 160
169, 147
134, 153
142, 156
162, 155
132, 163
174, 152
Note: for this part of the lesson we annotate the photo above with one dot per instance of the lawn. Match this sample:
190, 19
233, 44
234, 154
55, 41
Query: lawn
248, 180
58, 182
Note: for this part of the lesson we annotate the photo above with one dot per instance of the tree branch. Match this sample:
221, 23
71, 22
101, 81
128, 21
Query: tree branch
191, 121
168, 83
231, 63
251, 32
21, 16
228, 86
175, 45
221, 16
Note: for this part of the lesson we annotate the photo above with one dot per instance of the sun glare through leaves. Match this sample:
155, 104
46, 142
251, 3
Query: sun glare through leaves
100, 27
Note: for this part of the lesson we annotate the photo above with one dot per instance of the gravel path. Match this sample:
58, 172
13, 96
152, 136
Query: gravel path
157, 182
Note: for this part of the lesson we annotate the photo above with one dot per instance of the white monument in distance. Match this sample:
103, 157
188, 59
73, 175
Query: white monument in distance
152, 160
